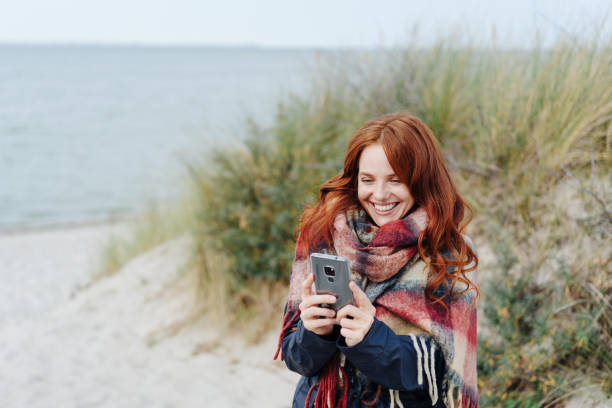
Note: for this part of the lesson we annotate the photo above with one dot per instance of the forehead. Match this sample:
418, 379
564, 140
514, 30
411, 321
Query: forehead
374, 161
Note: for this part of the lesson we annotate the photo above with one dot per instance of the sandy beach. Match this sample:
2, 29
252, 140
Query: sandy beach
64, 343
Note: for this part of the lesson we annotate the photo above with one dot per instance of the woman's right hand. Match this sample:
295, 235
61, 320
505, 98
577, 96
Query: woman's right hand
319, 320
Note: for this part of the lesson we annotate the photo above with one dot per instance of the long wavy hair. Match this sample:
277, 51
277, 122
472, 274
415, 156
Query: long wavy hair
416, 159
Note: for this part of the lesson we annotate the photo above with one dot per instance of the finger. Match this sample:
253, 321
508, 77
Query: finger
307, 286
317, 300
361, 299
315, 312
351, 323
318, 323
319, 327
348, 310
348, 333
342, 313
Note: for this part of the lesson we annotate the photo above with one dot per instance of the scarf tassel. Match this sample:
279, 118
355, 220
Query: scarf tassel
466, 402
287, 322
426, 362
395, 399
463, 400
326, 394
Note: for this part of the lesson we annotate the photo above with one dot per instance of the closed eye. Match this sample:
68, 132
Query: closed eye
367, 180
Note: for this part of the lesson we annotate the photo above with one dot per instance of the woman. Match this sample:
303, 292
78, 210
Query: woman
409, 338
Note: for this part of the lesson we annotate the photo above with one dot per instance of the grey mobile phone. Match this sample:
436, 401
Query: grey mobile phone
332, 276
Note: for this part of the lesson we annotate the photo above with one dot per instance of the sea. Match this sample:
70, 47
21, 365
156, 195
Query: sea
92, 133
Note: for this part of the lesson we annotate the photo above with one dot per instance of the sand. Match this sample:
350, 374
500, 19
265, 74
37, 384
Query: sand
103, 345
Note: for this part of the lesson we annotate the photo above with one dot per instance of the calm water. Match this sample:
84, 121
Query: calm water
88, 133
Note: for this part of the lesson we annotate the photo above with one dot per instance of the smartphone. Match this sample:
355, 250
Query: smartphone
332, 276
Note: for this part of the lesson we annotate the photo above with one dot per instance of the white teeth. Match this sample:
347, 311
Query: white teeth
383, 207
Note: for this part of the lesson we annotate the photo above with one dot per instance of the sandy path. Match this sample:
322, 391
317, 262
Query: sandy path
99, 349
40, 268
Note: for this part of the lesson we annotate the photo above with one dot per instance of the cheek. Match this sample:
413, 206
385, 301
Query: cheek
362, 192
405, 195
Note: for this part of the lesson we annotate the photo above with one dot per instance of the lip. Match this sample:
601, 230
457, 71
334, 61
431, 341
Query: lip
384, 212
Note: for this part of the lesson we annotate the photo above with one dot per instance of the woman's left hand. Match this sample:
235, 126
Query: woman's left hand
357, 319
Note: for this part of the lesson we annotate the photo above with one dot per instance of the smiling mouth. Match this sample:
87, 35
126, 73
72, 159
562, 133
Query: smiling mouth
384, 208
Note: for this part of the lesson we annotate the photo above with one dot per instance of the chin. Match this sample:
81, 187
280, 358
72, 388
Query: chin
381, 220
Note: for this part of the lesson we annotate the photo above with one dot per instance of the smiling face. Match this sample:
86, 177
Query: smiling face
384, 197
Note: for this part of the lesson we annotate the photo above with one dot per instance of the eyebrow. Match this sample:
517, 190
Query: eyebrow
364, 173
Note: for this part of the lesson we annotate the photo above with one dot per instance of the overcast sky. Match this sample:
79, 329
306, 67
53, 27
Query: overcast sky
286, 23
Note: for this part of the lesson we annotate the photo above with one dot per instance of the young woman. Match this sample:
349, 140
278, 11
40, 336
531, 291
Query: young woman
409, 338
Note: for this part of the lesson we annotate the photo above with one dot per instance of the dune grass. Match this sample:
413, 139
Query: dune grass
144, 231
528, 137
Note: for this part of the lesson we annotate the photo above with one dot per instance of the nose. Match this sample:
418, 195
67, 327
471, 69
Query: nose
380, 192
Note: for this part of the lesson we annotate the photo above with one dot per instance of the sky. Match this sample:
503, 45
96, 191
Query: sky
286, 23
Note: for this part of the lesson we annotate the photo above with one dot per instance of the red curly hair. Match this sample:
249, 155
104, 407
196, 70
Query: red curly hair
416, 159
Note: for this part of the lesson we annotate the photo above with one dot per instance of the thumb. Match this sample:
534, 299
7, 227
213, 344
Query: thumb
361, 299
307, 285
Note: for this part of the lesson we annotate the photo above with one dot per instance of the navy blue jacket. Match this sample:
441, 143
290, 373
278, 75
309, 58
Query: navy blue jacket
383, 357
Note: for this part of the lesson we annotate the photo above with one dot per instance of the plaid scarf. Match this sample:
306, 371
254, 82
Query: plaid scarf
386, 262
